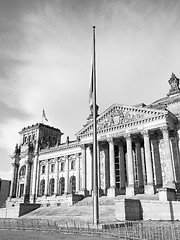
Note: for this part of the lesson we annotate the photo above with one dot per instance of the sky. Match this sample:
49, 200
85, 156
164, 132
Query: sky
45, 60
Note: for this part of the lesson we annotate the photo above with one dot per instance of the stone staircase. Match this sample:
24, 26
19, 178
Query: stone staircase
81, 211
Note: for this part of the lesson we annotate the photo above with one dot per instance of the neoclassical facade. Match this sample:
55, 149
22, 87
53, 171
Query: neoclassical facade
138, 153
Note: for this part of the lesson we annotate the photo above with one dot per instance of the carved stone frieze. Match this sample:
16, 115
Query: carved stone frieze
119, 117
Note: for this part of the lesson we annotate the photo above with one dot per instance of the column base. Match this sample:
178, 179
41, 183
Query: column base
130, 191
33, 198
170, 185
178, 187
111, 192
149, 189
167, 194
84, 192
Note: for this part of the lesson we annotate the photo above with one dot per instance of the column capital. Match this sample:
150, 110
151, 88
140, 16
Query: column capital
145, 133
83, 146
77, 155
164, 129
28, 162
127, 136
15, 164
110, 140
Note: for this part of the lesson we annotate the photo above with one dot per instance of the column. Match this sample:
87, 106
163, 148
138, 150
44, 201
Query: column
46, 191
156, 162
38, 177
89, 169
27, 181
149, 188
66, 190
139, 166
176, 158
83, 171
170, 181
130, 171
122, 167
99, 169
77, 172
56, 177
34, 179
111, 192
14, 180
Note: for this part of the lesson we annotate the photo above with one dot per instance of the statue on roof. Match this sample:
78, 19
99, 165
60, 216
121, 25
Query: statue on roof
174, 84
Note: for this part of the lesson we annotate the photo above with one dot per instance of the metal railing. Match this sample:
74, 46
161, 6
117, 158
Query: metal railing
136, 230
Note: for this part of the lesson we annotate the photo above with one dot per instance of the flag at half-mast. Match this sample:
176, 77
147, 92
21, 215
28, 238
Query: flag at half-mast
44, 116
91, 88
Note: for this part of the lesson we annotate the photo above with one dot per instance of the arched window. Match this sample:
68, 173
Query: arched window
61, 185
22, 171
42, 187
73, 184
51, 187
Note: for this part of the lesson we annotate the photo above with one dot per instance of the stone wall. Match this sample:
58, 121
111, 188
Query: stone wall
134, 209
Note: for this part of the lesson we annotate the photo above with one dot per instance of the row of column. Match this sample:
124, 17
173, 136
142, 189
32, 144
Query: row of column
149, 188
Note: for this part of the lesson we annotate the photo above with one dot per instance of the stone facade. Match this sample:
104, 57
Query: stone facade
138, 152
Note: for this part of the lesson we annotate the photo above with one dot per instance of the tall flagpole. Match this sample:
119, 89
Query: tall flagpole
95, 168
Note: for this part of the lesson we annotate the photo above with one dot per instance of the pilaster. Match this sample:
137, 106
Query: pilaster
56, 170
46, 191
66, 190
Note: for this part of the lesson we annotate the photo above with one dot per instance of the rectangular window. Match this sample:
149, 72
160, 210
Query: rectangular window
43, 169
72, 165
62, 166
52, 168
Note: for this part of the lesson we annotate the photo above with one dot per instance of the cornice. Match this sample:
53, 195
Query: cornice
59, 148
126, 125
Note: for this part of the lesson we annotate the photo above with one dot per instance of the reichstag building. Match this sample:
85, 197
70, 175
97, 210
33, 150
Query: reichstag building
138, 153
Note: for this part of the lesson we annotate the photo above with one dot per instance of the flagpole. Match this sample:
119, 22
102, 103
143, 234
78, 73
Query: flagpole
95, 172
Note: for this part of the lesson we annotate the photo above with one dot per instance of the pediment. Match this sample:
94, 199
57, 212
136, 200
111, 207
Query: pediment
120, 115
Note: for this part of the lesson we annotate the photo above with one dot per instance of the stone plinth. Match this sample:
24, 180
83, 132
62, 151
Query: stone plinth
134, 209
167, 194
128, 209
111, 192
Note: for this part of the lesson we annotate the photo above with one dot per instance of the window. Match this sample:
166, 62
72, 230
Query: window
61, 185
73, 184
62, 166
72, 165
51, 187
29, 138
25, 139
52, 168
43, 169
21, 190
22, 171
42, 187
33, 136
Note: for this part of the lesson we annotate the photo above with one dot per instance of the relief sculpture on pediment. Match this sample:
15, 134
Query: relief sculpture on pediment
118, 117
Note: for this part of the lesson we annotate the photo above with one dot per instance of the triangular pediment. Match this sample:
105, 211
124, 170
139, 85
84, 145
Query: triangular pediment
120, 115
